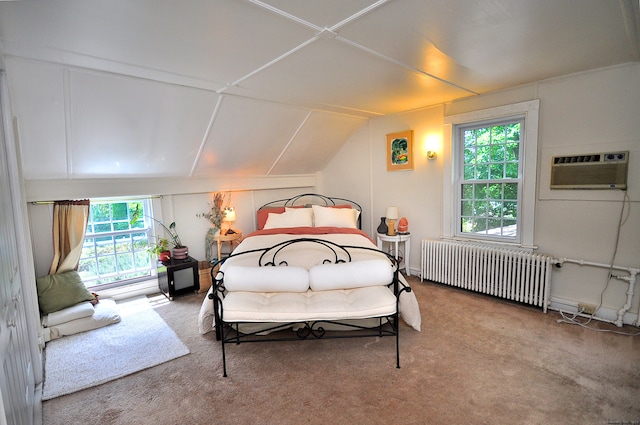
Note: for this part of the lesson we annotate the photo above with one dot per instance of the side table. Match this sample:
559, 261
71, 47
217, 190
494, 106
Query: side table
178, 277
405, 239
230, 237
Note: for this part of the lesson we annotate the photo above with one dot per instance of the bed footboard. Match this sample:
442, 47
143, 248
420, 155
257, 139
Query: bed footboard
368, 309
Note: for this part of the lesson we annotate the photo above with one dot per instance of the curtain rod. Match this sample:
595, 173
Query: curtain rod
128, 198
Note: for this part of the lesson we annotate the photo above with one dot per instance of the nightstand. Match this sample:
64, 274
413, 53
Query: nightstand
178, 277
231, 238
404, 239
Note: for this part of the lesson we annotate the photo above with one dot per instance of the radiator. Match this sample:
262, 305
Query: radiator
501, 272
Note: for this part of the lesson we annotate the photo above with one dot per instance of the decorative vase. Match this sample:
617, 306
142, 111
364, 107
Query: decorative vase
180, 253
382, 228
164, 256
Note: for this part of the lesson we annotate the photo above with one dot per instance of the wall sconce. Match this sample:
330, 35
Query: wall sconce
432, 144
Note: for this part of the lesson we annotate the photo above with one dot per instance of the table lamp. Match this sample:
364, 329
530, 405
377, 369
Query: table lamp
392, 216
229, 217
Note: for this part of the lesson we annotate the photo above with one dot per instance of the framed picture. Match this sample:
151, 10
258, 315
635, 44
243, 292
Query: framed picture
400, 151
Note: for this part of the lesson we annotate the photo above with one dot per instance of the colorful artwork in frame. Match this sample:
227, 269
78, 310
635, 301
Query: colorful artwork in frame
400, 151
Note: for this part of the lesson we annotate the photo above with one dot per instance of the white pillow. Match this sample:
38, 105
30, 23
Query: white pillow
293, 217
266, 279
105, 313
335, 217
68, 314
357, 274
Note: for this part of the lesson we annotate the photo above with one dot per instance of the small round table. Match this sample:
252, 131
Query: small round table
230, 237
404, 238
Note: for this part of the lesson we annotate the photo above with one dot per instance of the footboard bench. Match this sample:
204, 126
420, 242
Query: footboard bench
254, 303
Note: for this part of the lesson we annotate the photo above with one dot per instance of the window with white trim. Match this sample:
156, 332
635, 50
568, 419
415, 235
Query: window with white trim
492, 163
489, 179
115, 250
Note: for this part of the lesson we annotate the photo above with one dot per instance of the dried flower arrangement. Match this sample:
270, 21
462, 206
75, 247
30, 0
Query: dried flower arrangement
216, 212
215, 216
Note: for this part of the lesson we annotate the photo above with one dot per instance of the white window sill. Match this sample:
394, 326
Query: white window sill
147, 287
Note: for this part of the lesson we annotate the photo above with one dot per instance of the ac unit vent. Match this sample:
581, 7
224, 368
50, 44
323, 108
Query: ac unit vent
590, 171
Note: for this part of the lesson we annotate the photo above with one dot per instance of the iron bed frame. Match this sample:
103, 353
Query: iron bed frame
229, 332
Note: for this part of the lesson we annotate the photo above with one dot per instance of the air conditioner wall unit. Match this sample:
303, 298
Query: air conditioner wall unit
590, 171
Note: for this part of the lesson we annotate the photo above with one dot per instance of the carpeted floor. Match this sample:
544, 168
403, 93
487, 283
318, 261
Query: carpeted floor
477, 361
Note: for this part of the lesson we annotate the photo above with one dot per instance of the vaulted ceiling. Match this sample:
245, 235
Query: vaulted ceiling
157, 88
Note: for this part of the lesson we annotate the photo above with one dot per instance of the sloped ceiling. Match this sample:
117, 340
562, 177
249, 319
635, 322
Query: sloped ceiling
160, 88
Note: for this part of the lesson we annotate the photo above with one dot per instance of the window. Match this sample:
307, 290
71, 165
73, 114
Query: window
492, 164
489, 179
114, 250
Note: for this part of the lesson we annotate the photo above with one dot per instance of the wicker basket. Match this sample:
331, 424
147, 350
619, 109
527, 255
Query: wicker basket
204, 272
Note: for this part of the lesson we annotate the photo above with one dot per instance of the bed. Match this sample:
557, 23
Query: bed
307, 272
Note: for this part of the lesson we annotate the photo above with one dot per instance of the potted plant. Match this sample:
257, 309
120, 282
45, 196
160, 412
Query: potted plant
178, 250
160, 249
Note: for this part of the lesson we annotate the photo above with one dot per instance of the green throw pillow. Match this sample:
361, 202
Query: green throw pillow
58, 291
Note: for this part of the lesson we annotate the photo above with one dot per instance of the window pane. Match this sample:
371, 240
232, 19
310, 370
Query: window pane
483, 136
498, 134
106, 265
467, 208
510, 191
119, 211
483, 172
497, 171
467, 191
469, 137
511, 170
469, 172
102, 228
512, 151
497, 153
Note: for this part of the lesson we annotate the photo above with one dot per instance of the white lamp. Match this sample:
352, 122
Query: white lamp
392, 216
229, 217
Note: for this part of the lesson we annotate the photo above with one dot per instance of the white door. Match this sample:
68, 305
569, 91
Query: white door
16, 368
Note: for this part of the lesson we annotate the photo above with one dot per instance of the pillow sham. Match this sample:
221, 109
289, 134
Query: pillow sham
58, 291
263, 214
335, 217
294, 217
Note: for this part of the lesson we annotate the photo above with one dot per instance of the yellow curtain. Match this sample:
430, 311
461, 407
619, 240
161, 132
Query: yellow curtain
69, 226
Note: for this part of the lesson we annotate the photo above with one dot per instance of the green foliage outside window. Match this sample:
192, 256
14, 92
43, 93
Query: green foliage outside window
115, 249
490, 185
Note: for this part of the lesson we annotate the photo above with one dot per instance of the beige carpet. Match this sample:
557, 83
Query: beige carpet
476, 361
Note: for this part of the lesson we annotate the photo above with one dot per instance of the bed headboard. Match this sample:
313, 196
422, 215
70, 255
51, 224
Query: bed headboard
308, 199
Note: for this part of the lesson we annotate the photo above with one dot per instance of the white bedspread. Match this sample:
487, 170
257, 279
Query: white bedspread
307, 255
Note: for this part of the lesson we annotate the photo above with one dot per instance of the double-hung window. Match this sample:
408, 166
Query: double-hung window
489, 179
115, 250
492, 163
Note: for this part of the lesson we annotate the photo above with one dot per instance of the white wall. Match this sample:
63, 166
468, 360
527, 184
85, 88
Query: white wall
583, 113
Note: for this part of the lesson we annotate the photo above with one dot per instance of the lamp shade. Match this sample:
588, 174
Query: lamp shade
392, 213
229, 214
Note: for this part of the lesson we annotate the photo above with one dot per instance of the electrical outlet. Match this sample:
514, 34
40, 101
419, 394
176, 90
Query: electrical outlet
586, 308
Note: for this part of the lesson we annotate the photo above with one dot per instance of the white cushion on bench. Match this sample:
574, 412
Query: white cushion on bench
357, 274
266, 279
359, 303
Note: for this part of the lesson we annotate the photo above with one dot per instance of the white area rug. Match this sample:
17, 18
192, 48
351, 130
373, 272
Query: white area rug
141, 340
